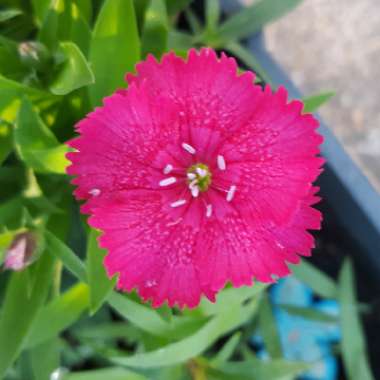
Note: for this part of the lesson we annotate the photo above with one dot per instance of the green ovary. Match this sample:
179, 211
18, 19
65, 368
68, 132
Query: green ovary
203, 179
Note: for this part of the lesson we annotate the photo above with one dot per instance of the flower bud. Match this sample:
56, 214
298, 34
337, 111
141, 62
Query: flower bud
21, 252
34, 55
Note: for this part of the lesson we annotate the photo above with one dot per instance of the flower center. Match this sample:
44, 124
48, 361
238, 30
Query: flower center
199, 175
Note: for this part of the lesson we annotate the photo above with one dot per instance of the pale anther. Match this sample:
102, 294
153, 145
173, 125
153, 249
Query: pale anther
201, 172
178, 203
168, 168
208, 211
194, 191
191, 176
168, 181
221, 162
188, 148
231, 193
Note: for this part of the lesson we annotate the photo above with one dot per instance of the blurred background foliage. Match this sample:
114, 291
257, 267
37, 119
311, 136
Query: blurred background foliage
60, 318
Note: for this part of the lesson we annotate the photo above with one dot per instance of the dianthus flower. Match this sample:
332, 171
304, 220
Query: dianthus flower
197, 177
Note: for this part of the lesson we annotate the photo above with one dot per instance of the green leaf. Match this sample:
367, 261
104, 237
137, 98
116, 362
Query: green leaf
261, 370
354, 351
85, 7
57, 24
227, 350
6, 140
100, 284
10, 94
40, 8
107, 330
308, 313
231, 297
10, 63
312, 103
155, 33
80, 29
20, 308
195, 344
316, 279
144, 317
212, 14
180, 40
73, 73
175, 6
36, 144
115, 37
66, 20
45, 359
252, 19
249, 59
70, 260
9, 13
105, 374
193, 21
59, 314
268, 329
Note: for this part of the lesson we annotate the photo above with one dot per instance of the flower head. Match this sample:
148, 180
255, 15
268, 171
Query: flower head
196, 177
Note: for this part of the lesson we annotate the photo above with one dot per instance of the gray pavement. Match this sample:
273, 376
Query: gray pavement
335, 45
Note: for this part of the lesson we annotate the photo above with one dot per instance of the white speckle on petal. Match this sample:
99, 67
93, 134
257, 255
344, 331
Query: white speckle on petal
208, 211
94, 192
168, 168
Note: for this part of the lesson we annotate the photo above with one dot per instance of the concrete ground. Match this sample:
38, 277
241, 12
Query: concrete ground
335, 45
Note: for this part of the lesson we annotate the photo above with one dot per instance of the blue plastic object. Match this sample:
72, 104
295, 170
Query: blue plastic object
304, 339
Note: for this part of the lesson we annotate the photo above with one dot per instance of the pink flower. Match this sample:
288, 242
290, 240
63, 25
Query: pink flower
196, 177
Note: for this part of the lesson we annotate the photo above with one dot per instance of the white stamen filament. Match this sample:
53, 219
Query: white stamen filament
168, 181
208, 211
195, 191
94, 192
191, 176
221, 162
178, 203
188, 148
202, 172
231, 193
168, 168
193, 183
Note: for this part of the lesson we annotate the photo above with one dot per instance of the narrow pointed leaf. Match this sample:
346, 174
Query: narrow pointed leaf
20, 309
354, 351
312, 103
155, 33
70, 260
58, 315
100, 284
194, 344
105, 374
73, 73
145, 318
252, 19
316, 279
268, 329
115, 38
36, 144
